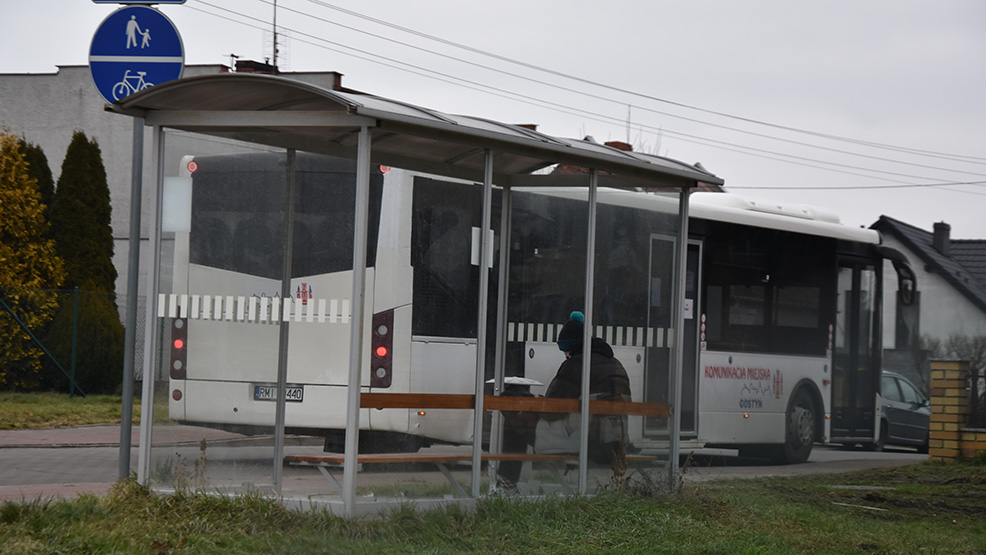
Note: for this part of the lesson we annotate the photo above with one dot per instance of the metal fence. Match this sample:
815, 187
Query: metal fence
68, 336
977, 398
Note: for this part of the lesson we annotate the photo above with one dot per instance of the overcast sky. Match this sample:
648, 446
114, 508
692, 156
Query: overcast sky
865, 108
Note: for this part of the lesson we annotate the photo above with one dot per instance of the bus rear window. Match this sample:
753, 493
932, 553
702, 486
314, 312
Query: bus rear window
238, 215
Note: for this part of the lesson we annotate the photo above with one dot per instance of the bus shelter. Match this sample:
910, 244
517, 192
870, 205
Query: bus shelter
357, 297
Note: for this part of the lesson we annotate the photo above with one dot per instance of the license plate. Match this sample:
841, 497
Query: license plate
293, 393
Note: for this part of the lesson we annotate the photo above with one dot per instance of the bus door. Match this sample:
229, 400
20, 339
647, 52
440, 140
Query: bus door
661, 334
855, 360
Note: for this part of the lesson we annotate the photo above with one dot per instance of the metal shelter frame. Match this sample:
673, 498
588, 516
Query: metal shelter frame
280, 112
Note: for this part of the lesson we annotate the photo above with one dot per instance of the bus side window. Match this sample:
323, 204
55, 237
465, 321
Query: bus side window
764, 291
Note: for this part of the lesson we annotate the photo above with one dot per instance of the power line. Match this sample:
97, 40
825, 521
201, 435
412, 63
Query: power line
582, 93
503, 93
949, 156
870, 187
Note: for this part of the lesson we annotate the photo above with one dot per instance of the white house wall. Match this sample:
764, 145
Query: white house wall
944, 310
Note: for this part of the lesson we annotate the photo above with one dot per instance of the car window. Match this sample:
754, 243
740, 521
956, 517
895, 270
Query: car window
889, 387
911, 395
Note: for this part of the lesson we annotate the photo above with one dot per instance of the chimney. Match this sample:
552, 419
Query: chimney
250, 66
619, 145
941, 241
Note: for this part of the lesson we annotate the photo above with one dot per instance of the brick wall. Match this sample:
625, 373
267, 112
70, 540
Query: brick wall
949, 437
973, 443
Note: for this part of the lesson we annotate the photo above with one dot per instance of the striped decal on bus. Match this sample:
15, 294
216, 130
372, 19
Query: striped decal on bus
617, 336
256, 310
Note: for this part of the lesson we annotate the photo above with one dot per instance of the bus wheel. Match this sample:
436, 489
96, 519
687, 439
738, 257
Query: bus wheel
800, 431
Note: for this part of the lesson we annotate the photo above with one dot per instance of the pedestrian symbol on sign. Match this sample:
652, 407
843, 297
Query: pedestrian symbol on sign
133, 29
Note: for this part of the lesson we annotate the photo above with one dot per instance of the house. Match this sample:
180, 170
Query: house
47, 108
951, 297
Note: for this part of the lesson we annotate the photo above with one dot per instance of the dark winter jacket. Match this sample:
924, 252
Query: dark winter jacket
608, 380
606, 375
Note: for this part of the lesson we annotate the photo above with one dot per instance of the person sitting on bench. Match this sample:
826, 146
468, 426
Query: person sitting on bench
559, 432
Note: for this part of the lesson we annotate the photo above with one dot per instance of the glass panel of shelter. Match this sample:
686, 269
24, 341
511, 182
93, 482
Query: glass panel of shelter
224, 274
635, 307
220, 311
631, 325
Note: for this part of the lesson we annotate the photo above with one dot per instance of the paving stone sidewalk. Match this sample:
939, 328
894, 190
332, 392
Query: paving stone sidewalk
28, 473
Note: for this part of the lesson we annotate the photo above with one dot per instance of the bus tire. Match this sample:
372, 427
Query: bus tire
799, 434
372, 441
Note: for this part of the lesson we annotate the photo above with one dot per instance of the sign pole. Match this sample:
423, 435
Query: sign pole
130, 340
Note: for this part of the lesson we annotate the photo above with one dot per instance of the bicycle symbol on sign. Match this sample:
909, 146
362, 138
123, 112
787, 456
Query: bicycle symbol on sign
124, 87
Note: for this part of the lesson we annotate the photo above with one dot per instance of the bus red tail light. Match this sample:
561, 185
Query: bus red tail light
382, 349
179, 348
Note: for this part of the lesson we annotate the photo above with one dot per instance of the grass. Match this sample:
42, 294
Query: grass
49, 410
927, 508
924, 508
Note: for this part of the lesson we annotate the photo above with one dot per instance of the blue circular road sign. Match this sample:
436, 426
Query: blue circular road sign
135, 47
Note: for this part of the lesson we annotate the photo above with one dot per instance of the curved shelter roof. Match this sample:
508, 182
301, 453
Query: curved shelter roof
281, 112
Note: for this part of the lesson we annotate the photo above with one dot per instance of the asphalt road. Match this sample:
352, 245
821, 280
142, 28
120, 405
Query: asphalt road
824, 459
67, 462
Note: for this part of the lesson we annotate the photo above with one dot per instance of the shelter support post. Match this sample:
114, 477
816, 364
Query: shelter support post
356, 321
485, 252
284, 336
677, 366
506, 206
590, 264
151, 322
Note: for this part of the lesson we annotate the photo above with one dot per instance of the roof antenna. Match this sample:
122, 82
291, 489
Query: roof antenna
275, 36
629, 107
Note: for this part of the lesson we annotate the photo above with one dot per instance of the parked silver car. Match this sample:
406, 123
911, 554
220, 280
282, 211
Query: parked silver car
906, 414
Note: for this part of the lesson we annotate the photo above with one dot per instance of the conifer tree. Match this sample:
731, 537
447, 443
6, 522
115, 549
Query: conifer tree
38, 168
29, 267
80, 217
80, 221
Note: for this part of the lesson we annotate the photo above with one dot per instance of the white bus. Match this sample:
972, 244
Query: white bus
782, 313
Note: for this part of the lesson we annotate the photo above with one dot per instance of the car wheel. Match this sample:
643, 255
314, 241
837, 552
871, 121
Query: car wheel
799, 433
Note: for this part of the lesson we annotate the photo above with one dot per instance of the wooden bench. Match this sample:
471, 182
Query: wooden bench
503, 402
324, 462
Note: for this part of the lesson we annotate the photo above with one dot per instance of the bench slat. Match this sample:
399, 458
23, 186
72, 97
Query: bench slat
416, 401
370, 458
508, 403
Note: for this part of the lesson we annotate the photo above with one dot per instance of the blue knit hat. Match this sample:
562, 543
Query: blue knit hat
571, 333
